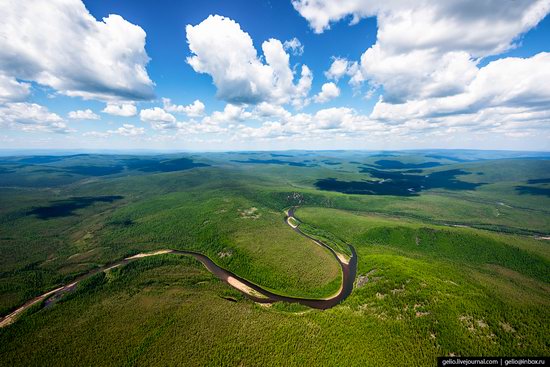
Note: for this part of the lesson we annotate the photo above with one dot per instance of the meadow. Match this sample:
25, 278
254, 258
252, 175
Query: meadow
453, 257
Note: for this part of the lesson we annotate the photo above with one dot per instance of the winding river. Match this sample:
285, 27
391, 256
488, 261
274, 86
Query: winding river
249, 289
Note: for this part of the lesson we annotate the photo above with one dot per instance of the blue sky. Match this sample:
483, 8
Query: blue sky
165, 21
463, 74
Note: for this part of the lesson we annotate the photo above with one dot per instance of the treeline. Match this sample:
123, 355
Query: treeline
468, 248
327, 238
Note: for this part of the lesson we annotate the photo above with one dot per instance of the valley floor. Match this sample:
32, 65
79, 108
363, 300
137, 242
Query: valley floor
461, 269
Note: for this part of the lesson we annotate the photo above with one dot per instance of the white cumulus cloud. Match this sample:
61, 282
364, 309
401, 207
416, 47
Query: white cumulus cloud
267, 110
324, 124
338, 69
11, 90
295, 46
328, 91
120, 109
341, 67
86, 114
128, 130
505, 83
195, 109
230, 114
223, 50
31, 117
428, 48
58, 43
96, 134
158, 118
428, 65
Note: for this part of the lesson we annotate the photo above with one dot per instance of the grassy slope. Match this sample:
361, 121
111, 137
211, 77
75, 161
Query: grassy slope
262, 247
496, 205
462, 246
202, 209
491, 297
463, 278
171, 311
37, 254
